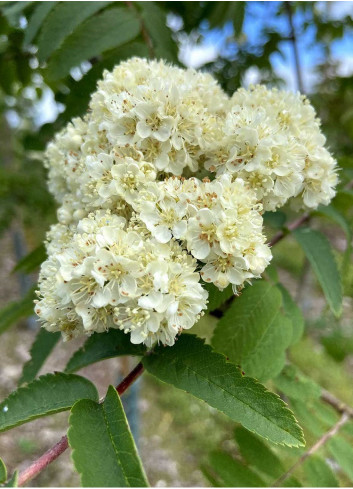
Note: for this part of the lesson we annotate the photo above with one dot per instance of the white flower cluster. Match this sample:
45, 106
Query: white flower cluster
161, 188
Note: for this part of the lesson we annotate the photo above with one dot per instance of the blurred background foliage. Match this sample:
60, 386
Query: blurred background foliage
51, 56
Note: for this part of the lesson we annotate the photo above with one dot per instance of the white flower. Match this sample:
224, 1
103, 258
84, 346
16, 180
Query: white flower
164, 219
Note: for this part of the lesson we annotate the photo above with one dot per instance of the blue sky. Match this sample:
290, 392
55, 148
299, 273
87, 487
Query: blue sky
263, 13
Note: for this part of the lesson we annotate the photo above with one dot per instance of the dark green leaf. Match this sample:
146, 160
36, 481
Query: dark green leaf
16, 310
36, 20
257, 454
103, 450
342, 452
107, 30
100, 346
40, 350
47, 395
319, 253
292, 312
61, 22
31, 261
193, 367
217, 297
3, 471
318, 473
232, 473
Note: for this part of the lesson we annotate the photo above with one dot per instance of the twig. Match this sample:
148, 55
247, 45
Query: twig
291, 227
293, 38
340, 406
329, 434
53, 453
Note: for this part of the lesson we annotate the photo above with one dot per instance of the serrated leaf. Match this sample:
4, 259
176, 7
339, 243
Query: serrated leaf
100, 346
3, 471
193, 367
155, 22
319, 253
109, 29
100, 432
292, 312
253, 333
232, 473
318, 473
216, 297
36, 20
292, 383
40, 350
47, 395
31, 261
342, 452
61, 22
16, 310
257, 454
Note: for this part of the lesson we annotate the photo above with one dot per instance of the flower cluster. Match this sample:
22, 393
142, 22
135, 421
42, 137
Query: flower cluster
161, 187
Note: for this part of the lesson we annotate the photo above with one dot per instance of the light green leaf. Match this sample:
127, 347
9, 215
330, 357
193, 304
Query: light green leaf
13, 481
292, 312
3, 471
37, 18
107, 30
155, 22
257, 454
217, 297
16, 310
307, 416
253, 333
292, 383
47, 395
342, 452
100, 346
318, 473
100, 432
319, 253
61, 22
232, 473
31, 261
40, 350
193, 367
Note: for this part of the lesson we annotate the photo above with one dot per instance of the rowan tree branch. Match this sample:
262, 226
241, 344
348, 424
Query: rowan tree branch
53, 453
329, 434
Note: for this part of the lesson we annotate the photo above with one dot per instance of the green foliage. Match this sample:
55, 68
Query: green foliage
342, 452
31, 261
192, 366
100, 346
16, 310
3, 472
254, 333
107, 30
103, 450
47, 395
13, 481
216, 297
40, 350
295, 385
319, 253
37, 19
318, 473
293, 313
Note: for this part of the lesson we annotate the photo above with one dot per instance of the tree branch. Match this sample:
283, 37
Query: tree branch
329, 434
53, 453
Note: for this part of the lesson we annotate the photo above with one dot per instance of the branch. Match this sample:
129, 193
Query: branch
53, 453
329, 434
340, 406
291, 226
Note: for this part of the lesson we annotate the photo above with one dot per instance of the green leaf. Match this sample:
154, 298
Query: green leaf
294, 313
257, 454
228, 11
292, 383
193, 367
217, 297
47, 395
100, 346
319, 253
109, 29
318, 473
100, 432
233, 473
253, 333
36, 20
342, 452
31, 261
16, 310
307, 417
155, 22
61, 22
13, 481
3, 471
40, 350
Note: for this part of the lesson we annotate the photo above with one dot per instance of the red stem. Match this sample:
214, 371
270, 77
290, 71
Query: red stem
53, 453
293, 225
